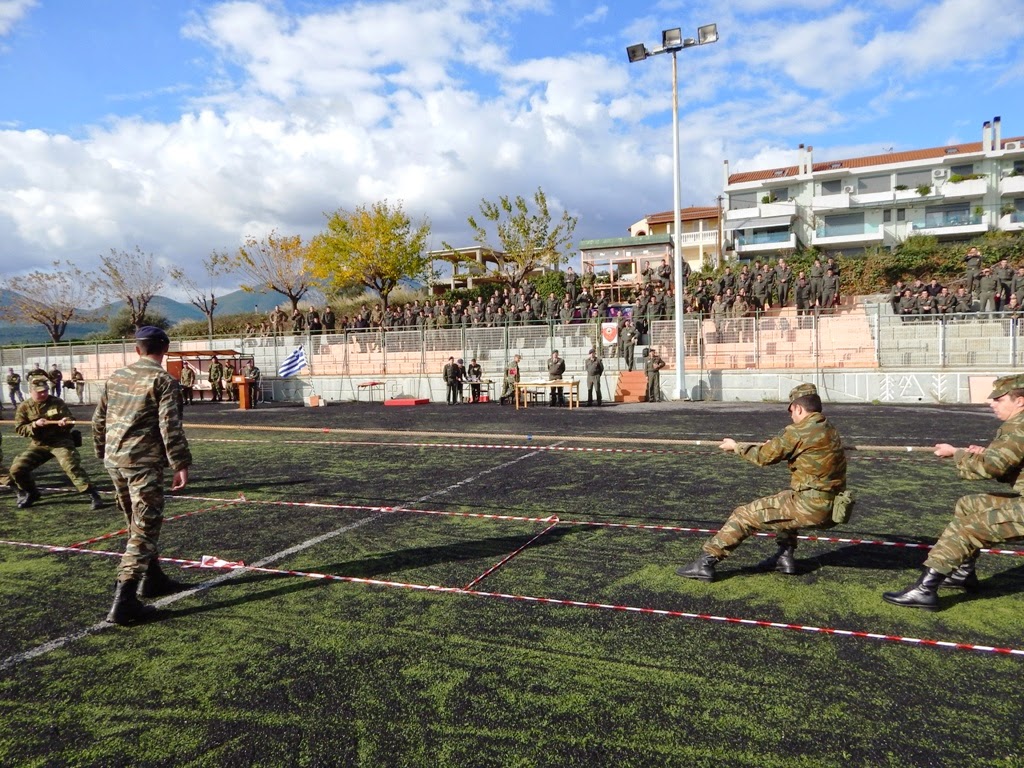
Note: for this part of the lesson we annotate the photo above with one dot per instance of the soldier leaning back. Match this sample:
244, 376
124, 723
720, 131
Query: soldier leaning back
47, 422
137, 431
812, 448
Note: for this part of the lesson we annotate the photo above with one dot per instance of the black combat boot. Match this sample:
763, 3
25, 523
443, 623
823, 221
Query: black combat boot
922, 594
702, 569
963, 577
126, 608
97, 502
27, 498
156, 583
783, 561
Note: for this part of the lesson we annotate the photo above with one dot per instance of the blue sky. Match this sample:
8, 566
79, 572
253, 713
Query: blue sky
182, 126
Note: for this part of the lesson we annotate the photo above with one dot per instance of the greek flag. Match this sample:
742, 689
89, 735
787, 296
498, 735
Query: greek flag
294, 363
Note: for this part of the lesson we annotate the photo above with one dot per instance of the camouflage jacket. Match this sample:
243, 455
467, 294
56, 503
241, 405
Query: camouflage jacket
138, 420
1002, 460
52, 408
813, 450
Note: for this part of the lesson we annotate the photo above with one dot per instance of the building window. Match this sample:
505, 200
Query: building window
965, 169
833, 187
886, 216
869, 184
914, 179
847, 224
742, 200
952, 215
901, 214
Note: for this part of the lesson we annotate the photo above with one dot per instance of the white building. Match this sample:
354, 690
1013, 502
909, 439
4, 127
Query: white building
954, 192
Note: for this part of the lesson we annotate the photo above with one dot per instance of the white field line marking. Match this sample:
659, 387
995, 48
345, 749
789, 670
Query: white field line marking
61, 642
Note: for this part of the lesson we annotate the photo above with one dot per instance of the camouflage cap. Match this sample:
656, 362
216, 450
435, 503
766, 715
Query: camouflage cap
802, 390
1006, 384
39, 384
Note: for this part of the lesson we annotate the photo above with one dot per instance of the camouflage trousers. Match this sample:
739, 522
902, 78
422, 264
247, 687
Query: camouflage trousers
980, 519
36, 456
785, 513
14, 393
139, 492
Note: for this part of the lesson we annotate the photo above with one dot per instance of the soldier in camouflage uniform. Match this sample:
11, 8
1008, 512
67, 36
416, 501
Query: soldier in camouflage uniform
137, 431
982, 519
812, 448
216, 378
14, 387
187, 382
47, 422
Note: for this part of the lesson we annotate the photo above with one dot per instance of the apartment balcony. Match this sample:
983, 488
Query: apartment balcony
873, 198
742, 213
863, 234
951, 224
1010, 186
969, 188
1013, 222
762, 242
697, 239
831, 202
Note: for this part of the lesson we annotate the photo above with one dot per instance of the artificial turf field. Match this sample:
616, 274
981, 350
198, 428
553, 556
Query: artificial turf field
258, 668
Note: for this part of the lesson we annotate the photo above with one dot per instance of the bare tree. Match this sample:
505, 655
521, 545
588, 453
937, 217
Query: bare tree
132, 277
277, 263
203, 298
48, 298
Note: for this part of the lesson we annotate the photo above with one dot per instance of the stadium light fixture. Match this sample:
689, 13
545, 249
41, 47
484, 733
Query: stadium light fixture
672, 41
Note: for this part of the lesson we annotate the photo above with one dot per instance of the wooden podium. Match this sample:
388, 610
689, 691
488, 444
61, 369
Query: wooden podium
244, 391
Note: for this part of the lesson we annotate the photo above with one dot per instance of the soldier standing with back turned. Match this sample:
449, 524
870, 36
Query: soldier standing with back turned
137, 432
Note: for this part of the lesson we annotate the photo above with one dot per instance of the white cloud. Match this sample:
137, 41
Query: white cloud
596, 15
11, 12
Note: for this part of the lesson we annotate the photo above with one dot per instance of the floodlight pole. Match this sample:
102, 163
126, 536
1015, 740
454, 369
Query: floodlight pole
673, 42
677, 223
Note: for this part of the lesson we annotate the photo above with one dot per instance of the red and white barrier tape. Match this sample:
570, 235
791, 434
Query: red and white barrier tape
216, 563
553, 520
593, 523
193, 513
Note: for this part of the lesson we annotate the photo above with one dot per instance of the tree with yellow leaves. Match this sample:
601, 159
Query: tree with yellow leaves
274, 263
375, 246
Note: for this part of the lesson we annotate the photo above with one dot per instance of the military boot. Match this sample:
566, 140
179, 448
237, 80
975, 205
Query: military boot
922, 594
97, 501
702, 569
156, 583
27, 498
783, 561
963, 577
126, 608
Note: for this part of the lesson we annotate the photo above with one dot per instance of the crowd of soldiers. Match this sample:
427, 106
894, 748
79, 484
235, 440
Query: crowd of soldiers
988, 289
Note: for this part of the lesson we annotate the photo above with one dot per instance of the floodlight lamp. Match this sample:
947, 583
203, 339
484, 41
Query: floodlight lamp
672, 38
637, 53
707, 34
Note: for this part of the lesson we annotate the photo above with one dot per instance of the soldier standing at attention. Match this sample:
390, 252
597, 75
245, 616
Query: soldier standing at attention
14, 387
627, 342
981, 519
254, 375
47, 422
595, 368
187, 380
653, 363
813, 449
556, 369
973, 263
216, 378
137, 431
78, 384
56, 378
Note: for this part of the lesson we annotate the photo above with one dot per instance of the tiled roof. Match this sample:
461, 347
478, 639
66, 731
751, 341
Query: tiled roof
890, 158
685, 214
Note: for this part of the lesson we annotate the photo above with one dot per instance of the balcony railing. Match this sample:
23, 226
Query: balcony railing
847, 230
763, 238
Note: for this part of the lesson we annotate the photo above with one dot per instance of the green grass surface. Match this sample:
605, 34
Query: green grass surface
277, 671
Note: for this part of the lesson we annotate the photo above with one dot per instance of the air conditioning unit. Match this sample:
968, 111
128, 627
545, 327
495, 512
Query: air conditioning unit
848, 190
1013, 145
940, 173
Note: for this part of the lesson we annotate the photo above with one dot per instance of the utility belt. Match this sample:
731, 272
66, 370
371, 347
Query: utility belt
842, 502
